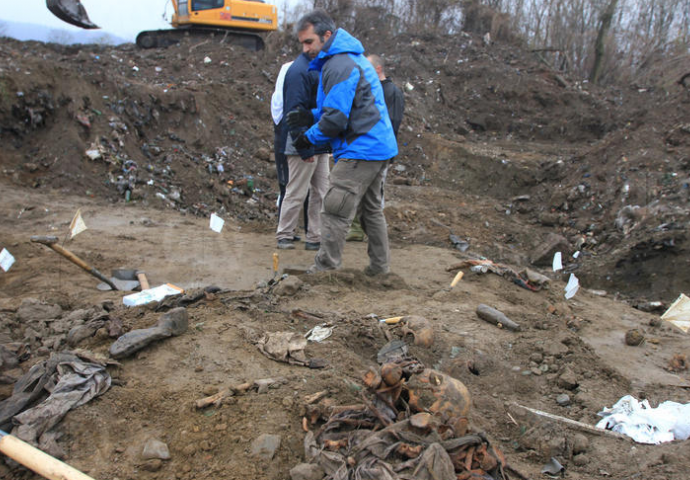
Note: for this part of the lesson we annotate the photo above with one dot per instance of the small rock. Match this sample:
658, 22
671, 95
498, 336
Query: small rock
32, 310
634, 337
563, 399
189, 450
152, 465
289, 286
580, 460
306, 471
210, 390
580, 444
536, 357
265, 446
568, 380
155, 449
176, 321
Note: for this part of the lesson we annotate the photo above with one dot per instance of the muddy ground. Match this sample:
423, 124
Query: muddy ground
496, 148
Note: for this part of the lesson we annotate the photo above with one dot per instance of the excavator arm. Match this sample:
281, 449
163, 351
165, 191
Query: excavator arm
236, 21
71, 11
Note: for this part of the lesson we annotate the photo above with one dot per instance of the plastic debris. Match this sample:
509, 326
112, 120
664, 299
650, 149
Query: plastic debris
6, 260
679, 313
155, 294
557, 262
644, 424
319, 333
571, 287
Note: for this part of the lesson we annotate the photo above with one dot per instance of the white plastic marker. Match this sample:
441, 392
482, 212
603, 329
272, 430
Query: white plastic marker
216, 223
6, 260
557, 264
572, 287
77, 226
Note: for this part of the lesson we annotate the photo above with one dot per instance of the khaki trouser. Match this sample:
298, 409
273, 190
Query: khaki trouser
304, 177
355, 189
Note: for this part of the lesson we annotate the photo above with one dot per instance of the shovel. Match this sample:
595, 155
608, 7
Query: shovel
51, 242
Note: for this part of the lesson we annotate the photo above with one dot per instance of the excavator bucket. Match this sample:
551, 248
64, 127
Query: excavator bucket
70, 11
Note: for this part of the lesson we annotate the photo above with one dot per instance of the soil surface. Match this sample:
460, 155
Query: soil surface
499, 155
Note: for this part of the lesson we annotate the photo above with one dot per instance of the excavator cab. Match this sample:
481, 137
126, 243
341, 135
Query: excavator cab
71, 11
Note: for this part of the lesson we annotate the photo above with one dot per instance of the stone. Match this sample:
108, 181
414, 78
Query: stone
173, 323
288, 286
152, 465
265, 446
555, 349
132, 342
176, 321
563, 399
542, 256
32, 310
568, 380
580, 460
580, 444
536, 278
536, 357
155, 449
306, 471
634, 337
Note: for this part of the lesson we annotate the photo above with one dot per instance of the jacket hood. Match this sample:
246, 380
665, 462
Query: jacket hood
340, 42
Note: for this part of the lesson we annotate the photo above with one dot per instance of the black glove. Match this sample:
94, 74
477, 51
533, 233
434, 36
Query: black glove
302, 142
299, 117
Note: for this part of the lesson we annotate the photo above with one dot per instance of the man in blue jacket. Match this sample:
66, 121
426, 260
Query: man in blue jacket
351, 115
307, 164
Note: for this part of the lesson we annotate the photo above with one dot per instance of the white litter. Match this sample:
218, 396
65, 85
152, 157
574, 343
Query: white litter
216, 223
155, 294
557, 263
6, 260
576, 254
644, 424
572, 287
319, 333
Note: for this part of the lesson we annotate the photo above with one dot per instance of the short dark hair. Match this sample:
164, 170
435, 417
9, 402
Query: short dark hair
319, 19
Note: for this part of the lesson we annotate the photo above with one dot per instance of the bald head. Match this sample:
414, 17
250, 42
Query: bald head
378, 64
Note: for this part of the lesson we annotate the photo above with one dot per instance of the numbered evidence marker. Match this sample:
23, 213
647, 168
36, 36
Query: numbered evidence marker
6, 260
216, 223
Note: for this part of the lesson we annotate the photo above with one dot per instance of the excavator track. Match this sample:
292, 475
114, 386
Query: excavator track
167, 37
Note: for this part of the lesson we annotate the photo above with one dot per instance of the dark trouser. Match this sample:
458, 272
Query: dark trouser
355, 189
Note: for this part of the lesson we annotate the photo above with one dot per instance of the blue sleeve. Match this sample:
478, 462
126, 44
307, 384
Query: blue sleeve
339, 78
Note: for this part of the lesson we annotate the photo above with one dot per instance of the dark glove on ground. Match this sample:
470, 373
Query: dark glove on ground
299, 118
302, 142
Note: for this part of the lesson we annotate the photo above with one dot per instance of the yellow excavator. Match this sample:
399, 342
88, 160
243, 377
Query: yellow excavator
237, 21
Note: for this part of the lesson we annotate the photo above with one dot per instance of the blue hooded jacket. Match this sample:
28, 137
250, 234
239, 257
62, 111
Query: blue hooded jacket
351, 112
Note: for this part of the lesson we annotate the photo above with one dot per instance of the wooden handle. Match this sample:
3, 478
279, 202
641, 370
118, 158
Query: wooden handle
143, 281
38, 461
51, 242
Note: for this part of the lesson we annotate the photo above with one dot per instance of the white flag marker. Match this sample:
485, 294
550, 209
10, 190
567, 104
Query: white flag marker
572, 287
6, 260
77, 226
216, 223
